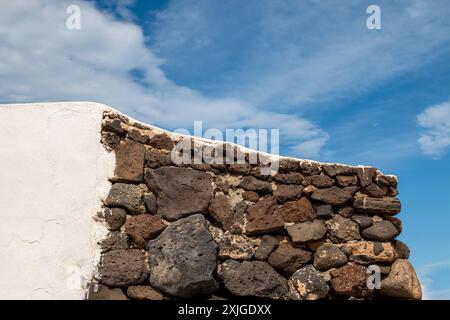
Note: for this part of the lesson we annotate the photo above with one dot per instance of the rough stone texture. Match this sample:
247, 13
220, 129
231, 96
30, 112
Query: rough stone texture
346, 212
161, 141
386, 180
129, 161
101, 292
110, 140
362, 221
143, 227
324, 210
114, 241
342, 229
289, 178
380, 206
241, 169
402, 281
267, 245
180, 191
334, 195
366, 175
252, 278
376, 191
144, 293
183, 258
367, 252
346, 181
297, 211
322, 181
329, 256
233, 246
251, 196
286, 165
127, 196
402, 250
252, 184
350, 280
150, 202
308, 284
138, 136
155, 158
307, 231
221, 211
262, 217
288, 259
337, 169
114, 218
288, 192
121, 268
381, 231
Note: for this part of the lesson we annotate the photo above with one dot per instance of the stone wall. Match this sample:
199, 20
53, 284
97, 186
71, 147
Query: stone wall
308, 231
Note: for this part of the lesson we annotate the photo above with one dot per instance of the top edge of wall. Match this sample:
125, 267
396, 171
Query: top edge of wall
89, 105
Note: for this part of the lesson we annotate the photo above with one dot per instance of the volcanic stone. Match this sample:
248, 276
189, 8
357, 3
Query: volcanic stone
308, 284
288, 259
161, 141
329, 256
367, 252
114, 218
324, 210
381, 231
150, 202
110, 140
262, 217
114, 126
129, 162
309, 168
345, 181
288, 192
376, 191
322, 181
115, 241
250, 183
334, 195
297, 211
286, 165
307, 231
289, 178
342, 229
337, 169
241, 169
155, 158
366, 175
346, 212
222, 211
144, 293
100, 292
402, 249
122, 268
386, 180
127, 196
233, 246
143, 227
252, 278
180, 191
402, 281
362, 221
350, 280
380, 206
267, 245
182, 259
250, 196
137, 135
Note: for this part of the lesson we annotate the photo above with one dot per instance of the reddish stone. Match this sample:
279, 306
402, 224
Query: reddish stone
262, 217
144, 227
288, 259
297, 211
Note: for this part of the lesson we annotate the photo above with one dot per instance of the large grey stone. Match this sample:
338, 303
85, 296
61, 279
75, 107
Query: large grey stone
381, 231
252, 278
182, 259
402, 281
180, 191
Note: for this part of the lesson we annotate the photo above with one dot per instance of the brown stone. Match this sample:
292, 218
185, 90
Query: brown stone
150, 202
346, 212
308, 284
285, 165
362, 221
241, 169
127, 196
402, 282
308, 190
329, 256
350, 280
115, 241
250, 196
267, 245
346, 181
309, 167
367, 252
366, 175
144, 293
288, 259
129, 162
381, 231
307, 231
137, 135
155, 158
122, 268
221, 210
373, 190
100, 292
334, 195
110, 140
337, 169
324, 210
180, 191
342, 229
314, 245
401, 249
262, 217
250, 183
144, 227
297, 211
114, 126
288, 192
114, 218
380, 206
386, 180
322, 181
161, 141
289, 178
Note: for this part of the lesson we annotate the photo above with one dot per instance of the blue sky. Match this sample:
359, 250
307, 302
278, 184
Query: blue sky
337, 91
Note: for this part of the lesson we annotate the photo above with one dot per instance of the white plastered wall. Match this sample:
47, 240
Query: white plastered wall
53, 176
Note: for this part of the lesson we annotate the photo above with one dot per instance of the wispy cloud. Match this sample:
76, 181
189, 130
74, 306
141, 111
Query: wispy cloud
435, 140
430, 278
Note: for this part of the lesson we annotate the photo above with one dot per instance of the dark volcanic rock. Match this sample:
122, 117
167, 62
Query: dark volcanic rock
262, 217
342, 229
115, 218
376, 191
129, 162
337, 169
362, 221
288, 192
402, 249
381, 231
307, 231
180, 191
380, 206
144, 293
137, 135
346, 181
121, 268
143, 227
350, 280
324, 210
250, 183
329, 256
115, 241
127, 196
155, 158
308, 284
252, 278
266, 247
286, 165
241, 169
322, 181
297, 211
150, 202
288, 259
334, 195
289, 178
182, 259
366, 175
101, 292
161, 141
222, 211
250, 196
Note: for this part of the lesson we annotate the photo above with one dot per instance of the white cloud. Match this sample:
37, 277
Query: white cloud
429, 275
44, 61
435, 140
